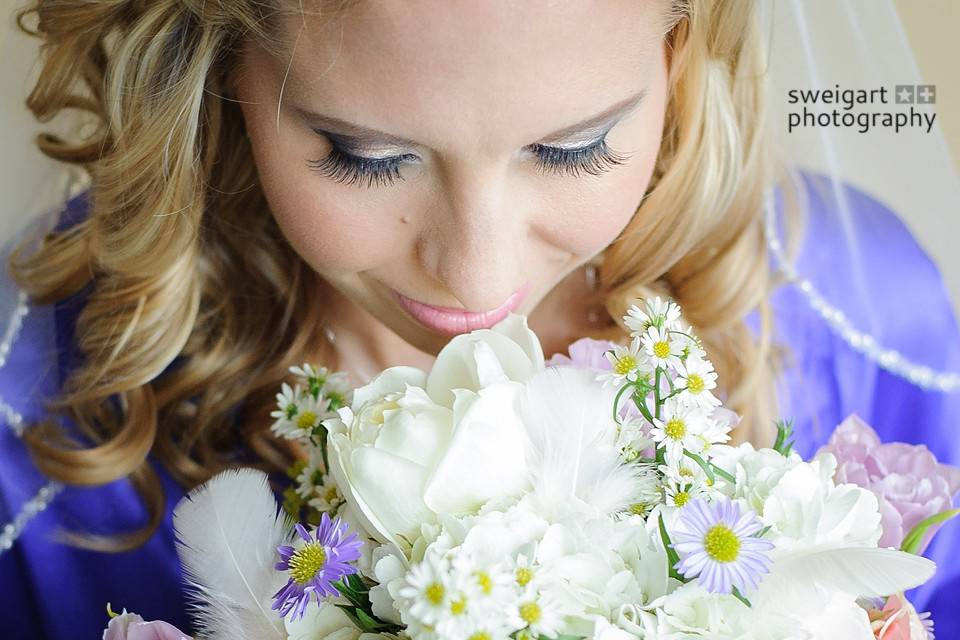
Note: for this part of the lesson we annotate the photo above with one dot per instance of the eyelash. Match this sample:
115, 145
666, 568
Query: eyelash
347, 168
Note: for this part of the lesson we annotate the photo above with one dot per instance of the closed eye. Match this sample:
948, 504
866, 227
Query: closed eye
347, 168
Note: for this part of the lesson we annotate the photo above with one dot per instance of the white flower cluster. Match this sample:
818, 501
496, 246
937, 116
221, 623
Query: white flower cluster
501, 498
316, 396
675, 418
299, 415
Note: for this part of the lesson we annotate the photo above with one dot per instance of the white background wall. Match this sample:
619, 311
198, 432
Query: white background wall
30, 183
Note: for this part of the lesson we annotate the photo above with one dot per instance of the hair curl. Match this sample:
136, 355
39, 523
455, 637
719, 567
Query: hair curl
196, 305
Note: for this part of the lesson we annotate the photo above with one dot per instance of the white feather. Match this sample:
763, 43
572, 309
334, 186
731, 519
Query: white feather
228, 531
573, 454
859, 571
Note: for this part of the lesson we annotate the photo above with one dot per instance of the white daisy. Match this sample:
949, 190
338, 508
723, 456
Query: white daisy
690, 344
310, 475
327, 496
656, 313
697, 377
633, 438
302, 422
426, 594
679, 428
306, 371
714, 433
683, 472
538, 612
679, 495
337, 391
491, 588
629, 364
663, 348
526, 574
288, 406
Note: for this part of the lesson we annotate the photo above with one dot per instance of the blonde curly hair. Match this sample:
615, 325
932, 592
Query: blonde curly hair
197, 305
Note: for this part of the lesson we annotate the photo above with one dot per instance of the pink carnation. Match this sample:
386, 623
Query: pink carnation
585, 353
907, 479
130, 626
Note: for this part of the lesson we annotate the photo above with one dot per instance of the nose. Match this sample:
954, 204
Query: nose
476, 243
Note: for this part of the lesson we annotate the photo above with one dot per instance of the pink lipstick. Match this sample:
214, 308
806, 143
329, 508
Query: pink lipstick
456, 321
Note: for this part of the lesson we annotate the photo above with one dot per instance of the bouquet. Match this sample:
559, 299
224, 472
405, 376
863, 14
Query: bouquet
594, 496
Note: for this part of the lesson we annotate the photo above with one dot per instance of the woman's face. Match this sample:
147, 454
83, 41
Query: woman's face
452, 152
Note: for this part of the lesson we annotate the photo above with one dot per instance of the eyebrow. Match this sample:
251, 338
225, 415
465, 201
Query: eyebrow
362, 135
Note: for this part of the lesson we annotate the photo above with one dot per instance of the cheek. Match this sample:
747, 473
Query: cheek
588, 213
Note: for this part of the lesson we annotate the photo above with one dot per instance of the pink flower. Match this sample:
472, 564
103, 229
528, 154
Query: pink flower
585, 353
130, 626
898, 620
907, 479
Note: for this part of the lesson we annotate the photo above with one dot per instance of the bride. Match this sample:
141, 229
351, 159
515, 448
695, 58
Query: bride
353, 183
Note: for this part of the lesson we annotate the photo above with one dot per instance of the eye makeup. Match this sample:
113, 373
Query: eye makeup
347, 168
346, 163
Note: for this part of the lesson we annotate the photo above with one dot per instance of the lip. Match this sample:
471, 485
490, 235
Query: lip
456, 321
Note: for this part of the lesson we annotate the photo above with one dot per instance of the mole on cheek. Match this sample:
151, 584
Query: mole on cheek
404, 219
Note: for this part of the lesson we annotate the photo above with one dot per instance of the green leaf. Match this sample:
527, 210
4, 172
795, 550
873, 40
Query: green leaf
784, 443
739, 596
912, 541
356, 583
365, 621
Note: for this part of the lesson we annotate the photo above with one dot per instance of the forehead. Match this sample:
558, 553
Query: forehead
474, 67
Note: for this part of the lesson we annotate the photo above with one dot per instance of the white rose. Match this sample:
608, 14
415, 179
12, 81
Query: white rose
325, 622
389, 567
479, 359
412, 445
757, 472
806, 508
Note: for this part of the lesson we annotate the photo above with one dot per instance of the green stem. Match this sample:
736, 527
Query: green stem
703, 465
912, 541
616, 402
656, 392
672, 555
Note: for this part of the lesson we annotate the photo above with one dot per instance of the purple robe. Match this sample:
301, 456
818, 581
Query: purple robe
51, 590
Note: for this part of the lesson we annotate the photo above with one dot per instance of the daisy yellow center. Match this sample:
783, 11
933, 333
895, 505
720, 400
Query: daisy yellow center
434, 593
661, 349
721, 543
625, 364
524, 576
330, 494
485, 582
307, 562
685, 472
458, 607
638, 508
530, 612
480, 635
694, 383
306, 420
681, 498
675, 429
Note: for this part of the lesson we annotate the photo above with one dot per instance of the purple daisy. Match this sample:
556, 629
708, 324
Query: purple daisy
719, 545
315, 565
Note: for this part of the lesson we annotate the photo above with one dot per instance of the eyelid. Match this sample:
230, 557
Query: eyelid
355, 146
346, 146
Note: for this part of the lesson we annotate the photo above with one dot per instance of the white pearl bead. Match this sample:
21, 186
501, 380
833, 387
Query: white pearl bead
888, 359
